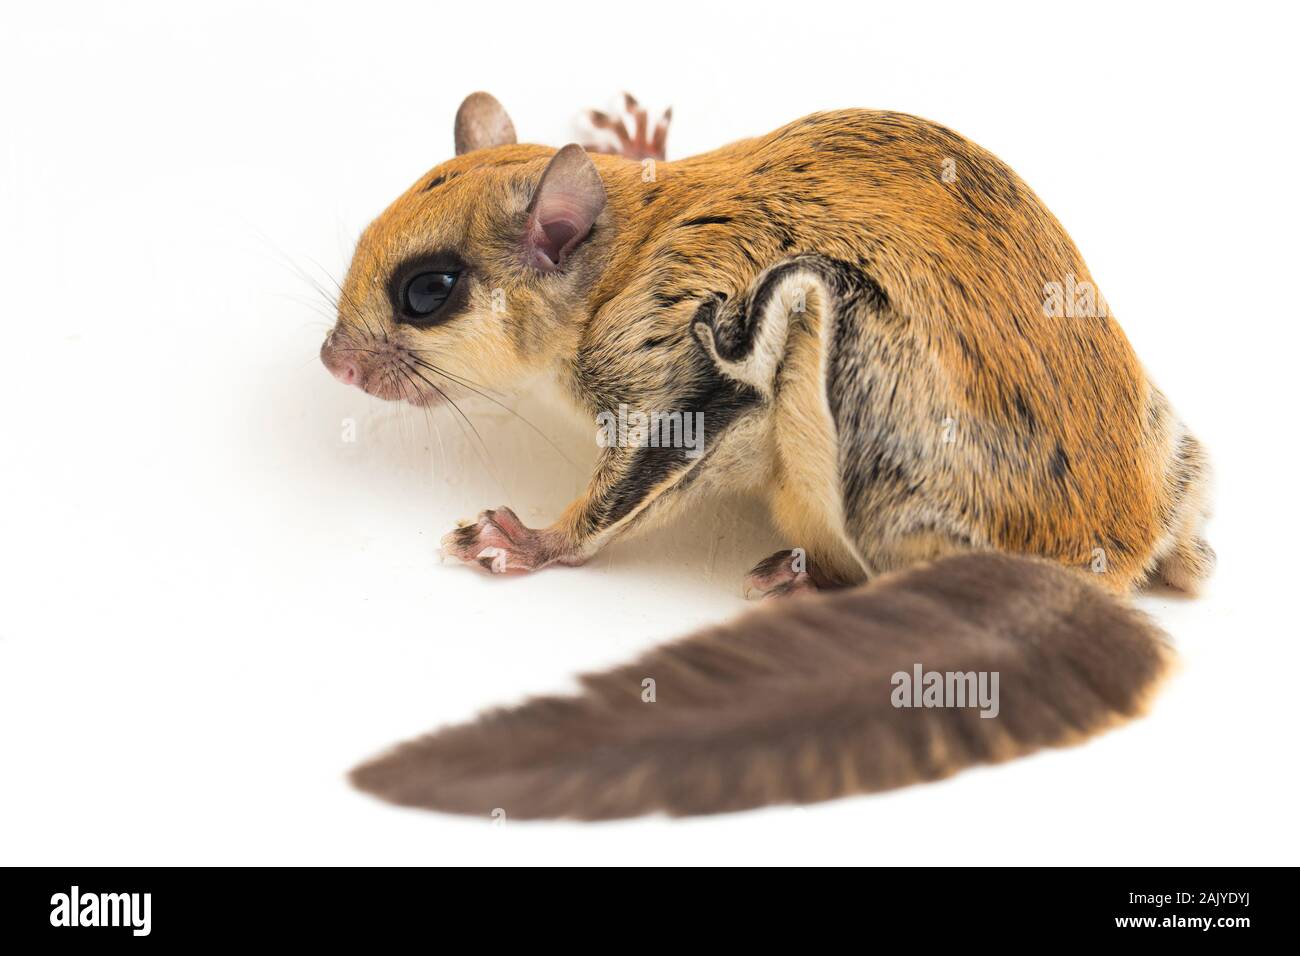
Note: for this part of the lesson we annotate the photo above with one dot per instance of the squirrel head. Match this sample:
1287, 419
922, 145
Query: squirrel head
478, 274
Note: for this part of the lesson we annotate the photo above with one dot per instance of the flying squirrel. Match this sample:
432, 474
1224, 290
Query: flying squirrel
886, 335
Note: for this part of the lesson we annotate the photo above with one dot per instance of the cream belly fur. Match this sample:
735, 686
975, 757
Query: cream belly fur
805, 493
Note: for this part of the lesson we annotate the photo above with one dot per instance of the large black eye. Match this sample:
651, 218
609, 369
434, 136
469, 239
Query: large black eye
426, 292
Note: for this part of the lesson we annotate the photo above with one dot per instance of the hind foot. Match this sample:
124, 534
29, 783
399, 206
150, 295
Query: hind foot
638, 143
784, 574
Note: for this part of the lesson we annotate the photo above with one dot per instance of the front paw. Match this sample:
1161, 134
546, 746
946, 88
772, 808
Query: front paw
499, 542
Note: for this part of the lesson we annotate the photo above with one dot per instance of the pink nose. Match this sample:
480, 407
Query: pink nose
345, 370
340, 363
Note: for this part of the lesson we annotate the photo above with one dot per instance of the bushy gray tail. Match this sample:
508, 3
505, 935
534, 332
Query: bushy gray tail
794, 702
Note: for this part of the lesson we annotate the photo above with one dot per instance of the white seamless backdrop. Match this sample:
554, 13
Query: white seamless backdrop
212, 607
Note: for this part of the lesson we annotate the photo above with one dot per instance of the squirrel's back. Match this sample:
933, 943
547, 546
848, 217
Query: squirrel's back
1060, 445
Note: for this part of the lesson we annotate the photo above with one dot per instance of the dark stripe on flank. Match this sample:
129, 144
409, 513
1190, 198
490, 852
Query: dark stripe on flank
706, 221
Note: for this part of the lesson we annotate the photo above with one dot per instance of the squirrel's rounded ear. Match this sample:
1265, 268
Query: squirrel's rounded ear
482, 122
563, 209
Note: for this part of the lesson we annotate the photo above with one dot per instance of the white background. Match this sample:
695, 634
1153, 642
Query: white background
213, 607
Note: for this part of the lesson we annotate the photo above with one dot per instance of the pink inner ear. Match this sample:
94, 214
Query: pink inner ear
564, 208
559, 234
552, 233
548, 242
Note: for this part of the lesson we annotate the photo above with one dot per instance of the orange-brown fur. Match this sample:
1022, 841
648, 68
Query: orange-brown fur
856, 303
965, 262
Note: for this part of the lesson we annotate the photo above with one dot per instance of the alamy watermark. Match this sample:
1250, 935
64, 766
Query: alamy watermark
922, 688
1073, 300
637, 429
76, 908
